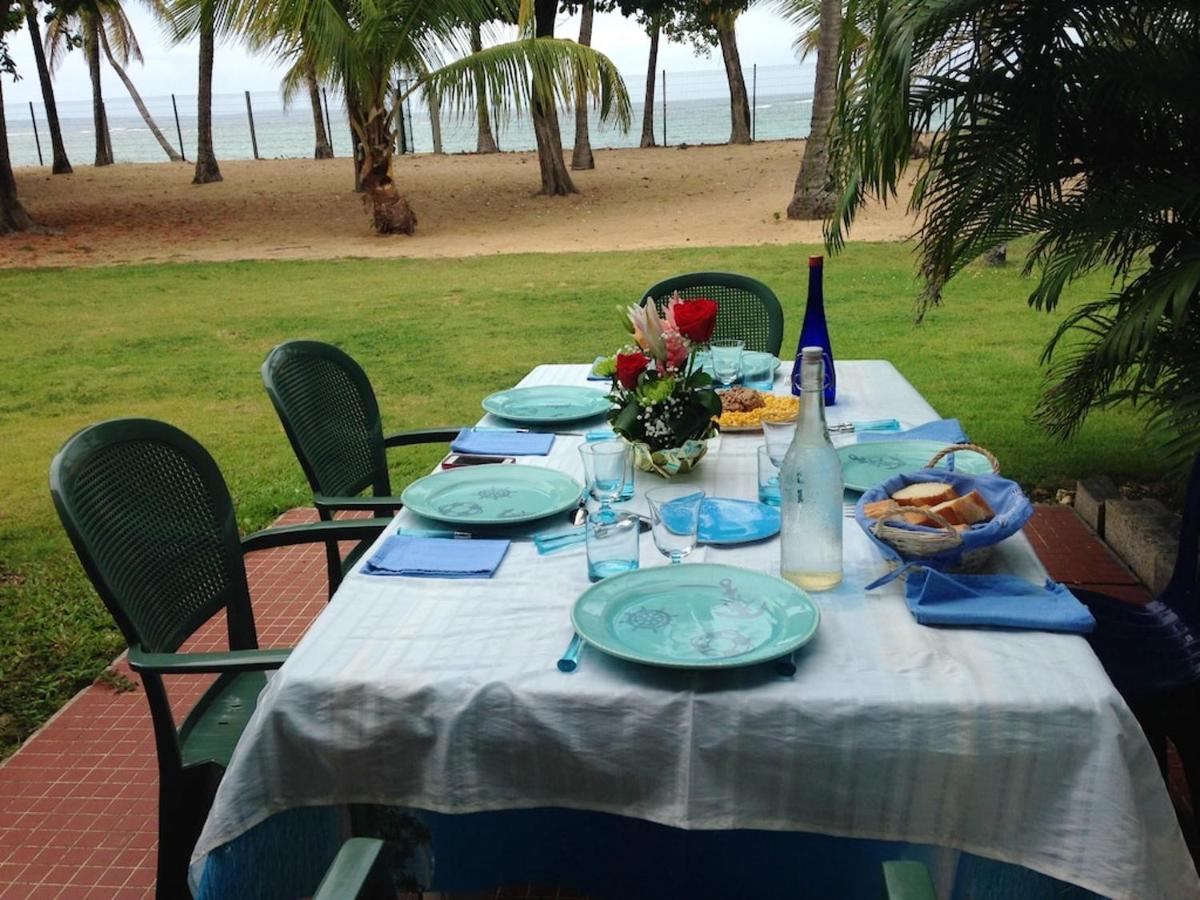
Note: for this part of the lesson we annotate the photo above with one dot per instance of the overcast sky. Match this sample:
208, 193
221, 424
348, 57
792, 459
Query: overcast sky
763, 38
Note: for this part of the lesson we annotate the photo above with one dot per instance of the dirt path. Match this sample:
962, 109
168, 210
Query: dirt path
466, 206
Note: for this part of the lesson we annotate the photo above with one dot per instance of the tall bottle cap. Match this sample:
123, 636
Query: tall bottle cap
812, 354
815, 261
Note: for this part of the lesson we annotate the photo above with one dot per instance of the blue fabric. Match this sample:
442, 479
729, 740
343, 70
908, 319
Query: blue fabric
600, 434
502, 443
437, 557
1011, 507
949, 431
1001, 601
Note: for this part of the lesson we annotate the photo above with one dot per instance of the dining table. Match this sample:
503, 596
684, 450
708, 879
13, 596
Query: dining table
957, 746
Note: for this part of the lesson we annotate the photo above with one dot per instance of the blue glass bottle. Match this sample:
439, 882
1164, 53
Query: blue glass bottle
814, 332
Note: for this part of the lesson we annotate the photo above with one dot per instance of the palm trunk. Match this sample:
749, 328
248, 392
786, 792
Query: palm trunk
435, 117
814, 197
137, 101
91, 47
556, 180
485, 143
207, 169
582, 157
739, 100
390, 212
322, 149
12, 214
61, 165
651, 71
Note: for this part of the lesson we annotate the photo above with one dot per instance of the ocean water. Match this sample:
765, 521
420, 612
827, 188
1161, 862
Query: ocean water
696, 112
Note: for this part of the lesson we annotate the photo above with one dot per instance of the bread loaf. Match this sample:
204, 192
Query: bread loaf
924, 493
965, 511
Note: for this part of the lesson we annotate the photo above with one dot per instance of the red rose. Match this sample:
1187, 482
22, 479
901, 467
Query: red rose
696, 319
629, 367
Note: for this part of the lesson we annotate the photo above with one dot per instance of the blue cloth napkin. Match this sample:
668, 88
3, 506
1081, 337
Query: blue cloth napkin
1001, 601
947, 431
437, 557
502, 443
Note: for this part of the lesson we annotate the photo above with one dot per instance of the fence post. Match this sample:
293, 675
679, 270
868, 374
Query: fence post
178, 130
400, 140
250, 116
36, 139
328, 127
664, 93
754, 102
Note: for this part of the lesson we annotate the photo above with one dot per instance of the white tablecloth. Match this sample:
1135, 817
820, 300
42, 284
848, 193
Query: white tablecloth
444, 695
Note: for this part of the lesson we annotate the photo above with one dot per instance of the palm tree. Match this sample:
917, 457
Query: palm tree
207, 170
113, 28
1073, 124
556, 180
322, 148
359, 46
581, 156
12, 214
813, 196
61, 165
486, 141
739, 99
653, 26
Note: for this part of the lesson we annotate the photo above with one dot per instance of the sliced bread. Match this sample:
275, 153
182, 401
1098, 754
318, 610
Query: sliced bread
924, 493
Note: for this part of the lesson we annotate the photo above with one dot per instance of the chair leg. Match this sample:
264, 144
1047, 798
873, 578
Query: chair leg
333, 558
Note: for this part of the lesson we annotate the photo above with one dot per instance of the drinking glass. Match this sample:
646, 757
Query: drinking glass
768, 479
675, 517
612, 544
606, 467
758, 370
777, 436
727, 360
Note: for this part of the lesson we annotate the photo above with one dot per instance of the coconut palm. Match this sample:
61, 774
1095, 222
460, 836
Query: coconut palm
112, 29
814, 195
1073, 123
486, 141
61, 165
12, 214
322, 148
739, 99
581, 156
204, 24
359, 45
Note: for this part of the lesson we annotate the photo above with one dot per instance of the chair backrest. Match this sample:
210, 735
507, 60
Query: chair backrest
331, 417
747, 308
151, 519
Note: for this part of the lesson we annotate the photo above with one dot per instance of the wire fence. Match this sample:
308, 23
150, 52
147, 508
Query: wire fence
690, 107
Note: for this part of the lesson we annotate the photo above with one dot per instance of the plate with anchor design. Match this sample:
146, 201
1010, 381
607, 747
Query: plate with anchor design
697, 616
547, 404
865, 465
492, 494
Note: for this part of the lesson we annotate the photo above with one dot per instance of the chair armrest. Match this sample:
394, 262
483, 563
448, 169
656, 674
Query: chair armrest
188, 663
387, 505
907, 879
441, 434
314, 532
347, 875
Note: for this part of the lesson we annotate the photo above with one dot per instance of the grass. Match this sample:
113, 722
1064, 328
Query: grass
184, 343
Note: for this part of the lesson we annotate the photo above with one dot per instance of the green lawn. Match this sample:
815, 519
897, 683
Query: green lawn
184, 343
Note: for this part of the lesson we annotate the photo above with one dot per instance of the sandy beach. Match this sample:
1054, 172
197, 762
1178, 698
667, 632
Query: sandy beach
465, 205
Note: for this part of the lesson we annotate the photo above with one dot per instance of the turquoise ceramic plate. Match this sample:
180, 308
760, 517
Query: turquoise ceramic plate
547, 403
492, 494
699, 616
724, 521
865, 465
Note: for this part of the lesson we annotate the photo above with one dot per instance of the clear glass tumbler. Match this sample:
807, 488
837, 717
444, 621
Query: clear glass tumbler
675, 517
727, 360
612, 544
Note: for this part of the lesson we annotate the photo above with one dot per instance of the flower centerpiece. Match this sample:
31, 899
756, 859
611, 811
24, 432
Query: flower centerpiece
662, 403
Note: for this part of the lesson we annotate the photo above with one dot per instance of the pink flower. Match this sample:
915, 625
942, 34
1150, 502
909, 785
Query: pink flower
677, 349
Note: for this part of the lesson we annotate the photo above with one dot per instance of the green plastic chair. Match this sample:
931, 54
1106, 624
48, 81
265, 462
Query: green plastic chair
153, 524
329, 413
748, 309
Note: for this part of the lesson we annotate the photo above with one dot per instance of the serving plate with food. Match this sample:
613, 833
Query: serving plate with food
743, 409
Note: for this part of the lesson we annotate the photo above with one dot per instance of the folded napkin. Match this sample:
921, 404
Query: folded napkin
502, 443
424, 557
1001, 601
948, 431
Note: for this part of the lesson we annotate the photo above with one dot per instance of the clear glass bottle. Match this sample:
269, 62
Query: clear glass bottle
810, 485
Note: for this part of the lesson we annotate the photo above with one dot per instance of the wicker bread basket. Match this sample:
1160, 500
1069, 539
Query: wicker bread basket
917, 543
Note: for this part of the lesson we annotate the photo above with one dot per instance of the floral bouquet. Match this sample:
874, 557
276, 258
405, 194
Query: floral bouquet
665, 410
